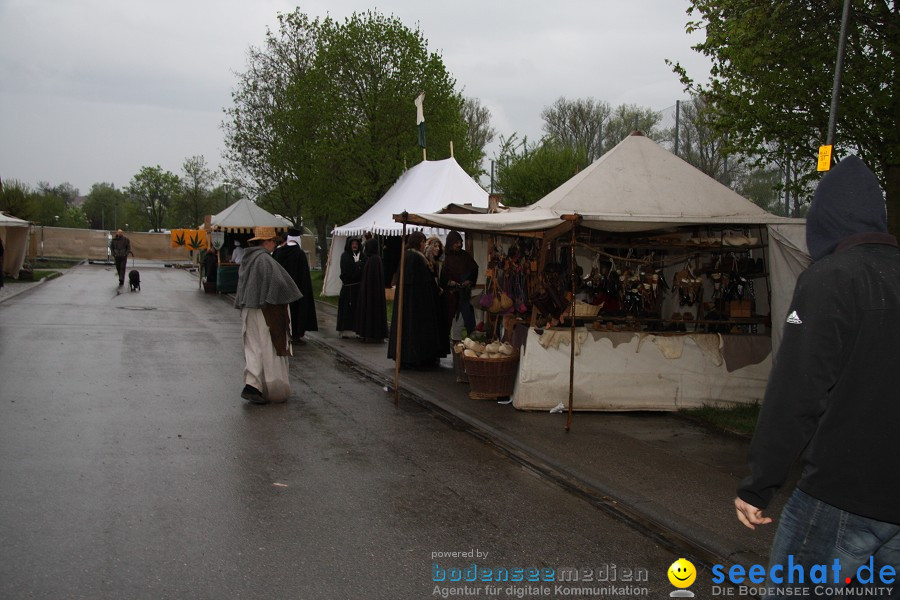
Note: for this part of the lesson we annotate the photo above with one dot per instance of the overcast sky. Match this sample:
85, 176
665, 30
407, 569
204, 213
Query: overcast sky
93, 90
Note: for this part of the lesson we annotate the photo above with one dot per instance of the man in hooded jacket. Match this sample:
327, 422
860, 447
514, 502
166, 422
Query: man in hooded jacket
832, 394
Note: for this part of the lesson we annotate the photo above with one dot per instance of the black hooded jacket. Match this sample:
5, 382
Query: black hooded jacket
833, 391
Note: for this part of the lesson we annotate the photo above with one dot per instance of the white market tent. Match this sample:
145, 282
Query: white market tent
636, 186
429, 186
244, 215
14, 232
640, 186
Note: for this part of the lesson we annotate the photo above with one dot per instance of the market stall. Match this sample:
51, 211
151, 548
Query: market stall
238, 222
666, 272
14, 232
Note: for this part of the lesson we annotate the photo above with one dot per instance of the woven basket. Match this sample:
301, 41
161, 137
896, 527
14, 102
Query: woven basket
491, 377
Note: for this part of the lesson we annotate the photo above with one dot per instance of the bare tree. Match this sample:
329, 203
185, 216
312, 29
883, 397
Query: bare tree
627, 118
479, 132
577, 124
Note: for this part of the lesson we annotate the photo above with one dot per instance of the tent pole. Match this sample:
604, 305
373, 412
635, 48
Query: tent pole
398, 298
571, 321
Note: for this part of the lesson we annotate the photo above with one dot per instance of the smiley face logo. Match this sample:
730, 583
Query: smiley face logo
682, 573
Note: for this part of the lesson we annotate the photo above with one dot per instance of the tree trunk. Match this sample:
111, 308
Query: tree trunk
322, 240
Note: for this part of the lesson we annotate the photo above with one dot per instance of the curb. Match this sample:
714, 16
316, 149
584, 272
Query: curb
646, 517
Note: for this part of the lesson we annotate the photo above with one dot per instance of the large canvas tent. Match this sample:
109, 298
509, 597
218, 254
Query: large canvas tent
429, 186
638, 186
14, 232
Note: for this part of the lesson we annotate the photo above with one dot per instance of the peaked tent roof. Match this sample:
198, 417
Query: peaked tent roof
244, 215
11, 221
636, 186
429, 186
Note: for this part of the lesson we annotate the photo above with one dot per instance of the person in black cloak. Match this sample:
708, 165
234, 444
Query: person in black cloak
459, 274
371, 310
292, 257
211, 265
351, 274
422, 345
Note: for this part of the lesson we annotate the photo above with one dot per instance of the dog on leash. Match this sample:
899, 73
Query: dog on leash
134, 280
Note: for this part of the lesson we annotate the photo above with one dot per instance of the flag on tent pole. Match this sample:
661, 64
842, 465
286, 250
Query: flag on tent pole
420, 118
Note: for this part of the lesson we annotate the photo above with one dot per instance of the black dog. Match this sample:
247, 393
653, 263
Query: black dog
134, 280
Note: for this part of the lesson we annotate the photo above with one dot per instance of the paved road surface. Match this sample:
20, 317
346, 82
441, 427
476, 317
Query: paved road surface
130, 468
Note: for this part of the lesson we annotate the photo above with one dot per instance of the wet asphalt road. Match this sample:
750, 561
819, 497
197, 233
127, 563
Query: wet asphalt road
131, 468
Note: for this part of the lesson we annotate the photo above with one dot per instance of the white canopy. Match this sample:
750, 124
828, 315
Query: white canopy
14, 232
636, 186
244, 215
429, 186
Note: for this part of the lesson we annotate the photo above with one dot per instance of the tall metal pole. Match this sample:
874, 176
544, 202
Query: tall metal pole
838, 73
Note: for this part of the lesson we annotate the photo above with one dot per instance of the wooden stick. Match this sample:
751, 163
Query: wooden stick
398, 349
572, 330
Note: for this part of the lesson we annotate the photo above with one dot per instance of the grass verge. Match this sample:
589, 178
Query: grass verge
734, 418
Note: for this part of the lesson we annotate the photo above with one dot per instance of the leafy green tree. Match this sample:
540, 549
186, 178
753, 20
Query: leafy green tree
578, 124
74, 217
103, 206
268, 134
48, 209
772, 75
153, 189
15, 199
323, 120
374, 67
195, 200
528, 173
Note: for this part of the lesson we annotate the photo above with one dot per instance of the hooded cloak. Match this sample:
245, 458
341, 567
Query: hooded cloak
261, 281
371, 310
847, 202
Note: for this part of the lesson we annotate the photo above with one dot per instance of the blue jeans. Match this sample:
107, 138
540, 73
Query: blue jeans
816, 533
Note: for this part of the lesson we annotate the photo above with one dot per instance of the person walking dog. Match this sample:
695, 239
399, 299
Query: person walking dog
120, 248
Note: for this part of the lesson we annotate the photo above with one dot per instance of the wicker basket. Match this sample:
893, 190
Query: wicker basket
491, 377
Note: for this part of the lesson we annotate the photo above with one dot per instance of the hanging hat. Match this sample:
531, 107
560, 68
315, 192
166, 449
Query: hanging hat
263, 233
